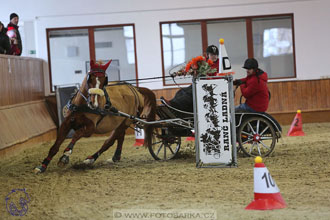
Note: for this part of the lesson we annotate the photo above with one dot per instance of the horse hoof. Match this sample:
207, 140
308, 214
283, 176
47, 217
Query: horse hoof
89, 161
115, 159
63, 161
39, 169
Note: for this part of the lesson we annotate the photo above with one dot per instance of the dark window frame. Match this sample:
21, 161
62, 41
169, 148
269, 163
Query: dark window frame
91, 41
249, 40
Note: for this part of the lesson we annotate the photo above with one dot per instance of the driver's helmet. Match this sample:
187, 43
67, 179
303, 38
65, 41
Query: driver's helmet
250, 63
212, 49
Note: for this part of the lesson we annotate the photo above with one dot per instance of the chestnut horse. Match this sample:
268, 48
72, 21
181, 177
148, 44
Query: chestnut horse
94, 109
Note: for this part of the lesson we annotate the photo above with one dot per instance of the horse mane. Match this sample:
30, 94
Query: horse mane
148, 112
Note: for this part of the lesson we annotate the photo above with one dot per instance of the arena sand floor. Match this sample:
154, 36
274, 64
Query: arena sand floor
299, 165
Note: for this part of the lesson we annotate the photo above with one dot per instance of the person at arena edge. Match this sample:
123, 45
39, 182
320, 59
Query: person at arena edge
254, 88
183, 98
14, 35
4, 40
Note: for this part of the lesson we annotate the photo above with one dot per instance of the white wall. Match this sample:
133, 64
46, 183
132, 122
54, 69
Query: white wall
311, 24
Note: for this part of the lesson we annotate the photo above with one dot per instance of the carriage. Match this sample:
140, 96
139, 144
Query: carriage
256, 133
98, 107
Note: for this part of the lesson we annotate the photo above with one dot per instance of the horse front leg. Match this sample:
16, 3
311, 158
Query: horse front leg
85, 130
117, 134
61, 135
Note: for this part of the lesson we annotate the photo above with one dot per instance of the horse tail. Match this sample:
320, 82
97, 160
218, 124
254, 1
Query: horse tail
148, 112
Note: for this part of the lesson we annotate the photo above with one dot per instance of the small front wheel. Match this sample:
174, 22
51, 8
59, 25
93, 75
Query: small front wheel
164, 146
256, 137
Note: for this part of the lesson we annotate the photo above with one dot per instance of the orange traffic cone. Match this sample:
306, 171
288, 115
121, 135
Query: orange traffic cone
139, 137
267, 195
192, 137
296, 126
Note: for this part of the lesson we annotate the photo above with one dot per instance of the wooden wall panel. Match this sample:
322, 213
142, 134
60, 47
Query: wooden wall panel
23, 110
287, 97
23, 121
22, 80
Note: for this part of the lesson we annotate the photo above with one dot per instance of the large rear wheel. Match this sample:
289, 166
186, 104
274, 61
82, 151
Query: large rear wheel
164, 146
256, 137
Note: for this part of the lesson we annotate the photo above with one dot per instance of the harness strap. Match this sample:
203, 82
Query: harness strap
136, 96
108, 103
85, 108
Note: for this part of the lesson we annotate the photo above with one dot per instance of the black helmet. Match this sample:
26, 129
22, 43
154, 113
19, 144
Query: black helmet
250, 63
212, 49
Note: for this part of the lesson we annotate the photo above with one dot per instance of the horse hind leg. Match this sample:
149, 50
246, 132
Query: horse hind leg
120, 140
117, 134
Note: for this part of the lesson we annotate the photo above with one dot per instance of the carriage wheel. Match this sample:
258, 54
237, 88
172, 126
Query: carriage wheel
164, 147
256, 137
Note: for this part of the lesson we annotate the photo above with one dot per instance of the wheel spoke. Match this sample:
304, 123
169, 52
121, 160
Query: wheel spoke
248, 134
266, 138
251, 128
264, 130
257, 129
264, 145
159, 149
156, 142
258, 149
165, 152
171, 149
247, 141
251, 147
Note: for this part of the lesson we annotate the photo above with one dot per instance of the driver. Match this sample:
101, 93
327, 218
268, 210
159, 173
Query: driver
183, 98
254, 88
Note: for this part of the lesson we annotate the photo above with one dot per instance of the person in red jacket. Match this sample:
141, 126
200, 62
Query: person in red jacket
254, 88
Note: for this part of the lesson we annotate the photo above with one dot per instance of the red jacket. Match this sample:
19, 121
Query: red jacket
255, 91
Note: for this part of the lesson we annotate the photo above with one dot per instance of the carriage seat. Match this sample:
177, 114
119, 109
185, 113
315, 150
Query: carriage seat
165, 111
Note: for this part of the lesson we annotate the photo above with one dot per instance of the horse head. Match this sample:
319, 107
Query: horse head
96, 80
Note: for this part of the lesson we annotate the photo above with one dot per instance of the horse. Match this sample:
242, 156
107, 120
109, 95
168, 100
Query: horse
94, 109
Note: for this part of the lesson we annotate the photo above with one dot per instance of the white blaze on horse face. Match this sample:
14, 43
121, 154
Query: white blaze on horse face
96, 104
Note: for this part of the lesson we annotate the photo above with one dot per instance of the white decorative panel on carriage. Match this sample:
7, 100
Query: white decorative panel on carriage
214, 123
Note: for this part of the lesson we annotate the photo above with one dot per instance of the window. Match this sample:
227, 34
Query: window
268, 38
273, 46
68, 51
181, 42
117, 42
71, 49
234, 34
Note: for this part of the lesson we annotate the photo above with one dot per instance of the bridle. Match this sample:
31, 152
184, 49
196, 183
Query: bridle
95, 91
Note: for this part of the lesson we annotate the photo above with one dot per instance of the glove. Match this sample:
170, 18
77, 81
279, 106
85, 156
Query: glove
237, 82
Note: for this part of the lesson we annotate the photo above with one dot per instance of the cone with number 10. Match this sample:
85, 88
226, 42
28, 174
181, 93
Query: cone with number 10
267, 195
